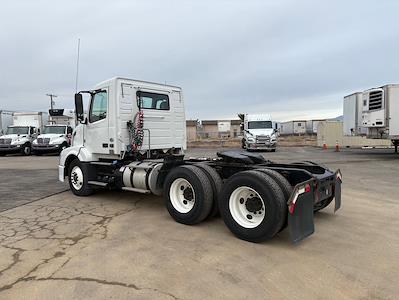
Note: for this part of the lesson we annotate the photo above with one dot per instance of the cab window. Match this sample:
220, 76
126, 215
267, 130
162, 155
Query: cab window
98, 108
155, 101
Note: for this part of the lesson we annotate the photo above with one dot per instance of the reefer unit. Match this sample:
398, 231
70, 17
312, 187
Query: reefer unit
381, 111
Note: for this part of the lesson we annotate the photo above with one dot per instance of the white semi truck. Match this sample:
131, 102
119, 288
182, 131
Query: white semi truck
134, 138
57, 135
259, 133
19, 136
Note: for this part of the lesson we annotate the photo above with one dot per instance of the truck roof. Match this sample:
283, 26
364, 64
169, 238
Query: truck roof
258, 117
113, 79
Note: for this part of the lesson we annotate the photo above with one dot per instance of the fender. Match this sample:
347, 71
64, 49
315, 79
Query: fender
78, 151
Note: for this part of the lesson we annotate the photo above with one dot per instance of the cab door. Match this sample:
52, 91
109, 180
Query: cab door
158, 121
96, 136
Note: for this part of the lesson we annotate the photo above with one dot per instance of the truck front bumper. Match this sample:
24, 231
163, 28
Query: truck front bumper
61, 170
45, 148
9, 149
261, 146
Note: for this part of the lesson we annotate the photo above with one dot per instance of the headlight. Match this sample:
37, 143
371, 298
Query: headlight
16, 142
250, 139
34, 142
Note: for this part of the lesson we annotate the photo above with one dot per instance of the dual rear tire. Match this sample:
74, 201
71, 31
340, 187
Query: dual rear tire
188, 194
253, 204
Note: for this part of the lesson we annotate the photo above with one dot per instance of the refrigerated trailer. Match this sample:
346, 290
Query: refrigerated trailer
381, 112
134, 139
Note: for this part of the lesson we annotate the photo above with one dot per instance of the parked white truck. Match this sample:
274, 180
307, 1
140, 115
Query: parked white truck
259, 133
57, 135
134, 138
20, 135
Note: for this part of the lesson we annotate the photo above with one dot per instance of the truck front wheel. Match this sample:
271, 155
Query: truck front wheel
252, 206
26, 149
188, 194
77, 177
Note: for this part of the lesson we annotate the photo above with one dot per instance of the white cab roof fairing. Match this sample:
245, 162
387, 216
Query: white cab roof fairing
114, 81
258, 117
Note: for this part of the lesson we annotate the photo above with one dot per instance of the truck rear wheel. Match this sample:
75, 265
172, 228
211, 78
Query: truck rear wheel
188, 194
252, 206
285, 187
77, 179
216, 183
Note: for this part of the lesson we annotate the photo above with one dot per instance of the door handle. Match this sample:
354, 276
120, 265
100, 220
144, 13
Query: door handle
154, 117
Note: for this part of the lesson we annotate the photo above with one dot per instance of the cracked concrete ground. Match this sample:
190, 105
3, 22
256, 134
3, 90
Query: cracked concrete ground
120, 245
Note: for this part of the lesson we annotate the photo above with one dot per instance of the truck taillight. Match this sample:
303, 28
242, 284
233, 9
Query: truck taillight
301, 190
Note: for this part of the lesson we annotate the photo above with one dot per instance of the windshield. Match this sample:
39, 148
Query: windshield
260, 125
54, 129
18, 130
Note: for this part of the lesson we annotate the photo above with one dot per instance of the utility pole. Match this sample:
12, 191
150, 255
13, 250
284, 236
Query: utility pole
51, 99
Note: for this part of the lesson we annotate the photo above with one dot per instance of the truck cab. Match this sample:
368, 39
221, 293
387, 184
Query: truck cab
125, 116
17, 139
53, 138
259, 133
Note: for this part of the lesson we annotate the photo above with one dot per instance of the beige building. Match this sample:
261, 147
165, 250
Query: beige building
332, 132
191, 130
220, 129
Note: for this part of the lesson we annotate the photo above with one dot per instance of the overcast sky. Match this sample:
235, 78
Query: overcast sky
293, 59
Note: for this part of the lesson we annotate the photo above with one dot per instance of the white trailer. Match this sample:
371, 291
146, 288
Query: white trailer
5, 120
380, 113
352, 118
133, 139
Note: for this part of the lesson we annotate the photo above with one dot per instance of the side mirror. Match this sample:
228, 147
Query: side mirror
79, 107
242, 126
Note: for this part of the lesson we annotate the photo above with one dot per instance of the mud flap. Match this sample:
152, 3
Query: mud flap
337, 193
301, 220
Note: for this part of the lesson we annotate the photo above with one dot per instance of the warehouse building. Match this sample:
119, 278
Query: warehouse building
297, 127
191, 130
